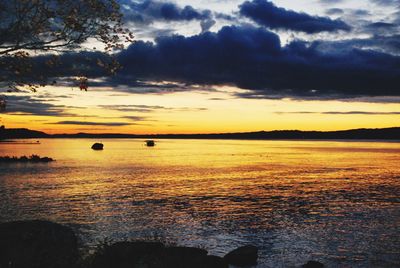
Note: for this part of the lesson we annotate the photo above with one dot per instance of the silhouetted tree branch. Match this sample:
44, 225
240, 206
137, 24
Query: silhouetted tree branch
29, 28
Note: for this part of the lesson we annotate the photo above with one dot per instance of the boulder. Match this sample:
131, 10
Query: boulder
37, 244
97, 146
153, 255
243, 256
129, 254
183, 257
313, 264
215, 262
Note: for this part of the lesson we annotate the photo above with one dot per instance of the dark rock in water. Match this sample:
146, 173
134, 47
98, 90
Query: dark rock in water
183, 257
313, 264
37, 244
130, 254
25, 159
215, 262
97, 146
47, 159
150, 143
243, 256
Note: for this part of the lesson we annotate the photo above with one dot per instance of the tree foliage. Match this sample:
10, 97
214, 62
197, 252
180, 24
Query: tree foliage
29, 28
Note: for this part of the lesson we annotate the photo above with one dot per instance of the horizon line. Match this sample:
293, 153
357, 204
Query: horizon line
211, 133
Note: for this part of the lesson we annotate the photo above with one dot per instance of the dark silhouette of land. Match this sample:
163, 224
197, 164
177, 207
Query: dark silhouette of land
25, 159
353, 134
44, 244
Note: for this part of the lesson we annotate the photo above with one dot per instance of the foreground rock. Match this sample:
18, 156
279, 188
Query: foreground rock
243, 256
43, 244
128, 254
215, 262
37, 244
154, 255
185, 257
313, 264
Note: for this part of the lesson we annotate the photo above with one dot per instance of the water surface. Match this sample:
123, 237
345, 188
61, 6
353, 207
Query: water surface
336, 202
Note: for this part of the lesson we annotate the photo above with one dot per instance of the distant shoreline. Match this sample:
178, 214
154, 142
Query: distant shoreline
17, 140
389, 134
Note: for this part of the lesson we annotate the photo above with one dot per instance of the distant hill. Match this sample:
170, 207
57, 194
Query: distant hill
21, 133
353, 134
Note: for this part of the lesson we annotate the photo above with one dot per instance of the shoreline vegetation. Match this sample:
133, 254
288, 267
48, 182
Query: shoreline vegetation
353, 134
45, 244
25, 159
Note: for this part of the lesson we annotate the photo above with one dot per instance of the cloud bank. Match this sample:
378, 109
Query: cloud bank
150, 11
250, 57
254, 59
88, 123
267, 14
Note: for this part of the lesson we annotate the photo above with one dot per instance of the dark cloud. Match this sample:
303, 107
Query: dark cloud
267, 14
381, 99
359, 12
86, 123
343, 113
254, 59
216, 99
386, 29
155, 10
126, 83
147, 108
334, 11
387, 44
30, 105
148, 11
380, 25
206, 25
135, 118
90, 128
224, 16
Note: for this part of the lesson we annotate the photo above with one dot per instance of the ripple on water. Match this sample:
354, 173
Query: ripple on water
336, 202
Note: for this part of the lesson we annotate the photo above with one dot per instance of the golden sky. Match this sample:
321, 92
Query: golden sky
216, 110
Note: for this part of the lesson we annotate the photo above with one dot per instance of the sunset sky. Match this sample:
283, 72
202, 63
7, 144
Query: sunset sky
212, 66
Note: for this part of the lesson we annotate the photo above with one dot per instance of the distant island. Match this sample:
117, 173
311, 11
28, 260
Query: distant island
25, 159
353, 134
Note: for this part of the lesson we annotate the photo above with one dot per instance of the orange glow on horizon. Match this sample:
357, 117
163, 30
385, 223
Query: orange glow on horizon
107, 111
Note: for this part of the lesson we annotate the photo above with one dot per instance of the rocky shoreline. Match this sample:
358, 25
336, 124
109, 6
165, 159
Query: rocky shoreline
44, 244
25, 159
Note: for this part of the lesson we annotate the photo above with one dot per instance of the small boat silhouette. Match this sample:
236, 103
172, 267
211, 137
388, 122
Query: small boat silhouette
97, 146
150, 143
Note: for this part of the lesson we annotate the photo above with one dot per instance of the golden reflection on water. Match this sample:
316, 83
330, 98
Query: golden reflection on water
333, 201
